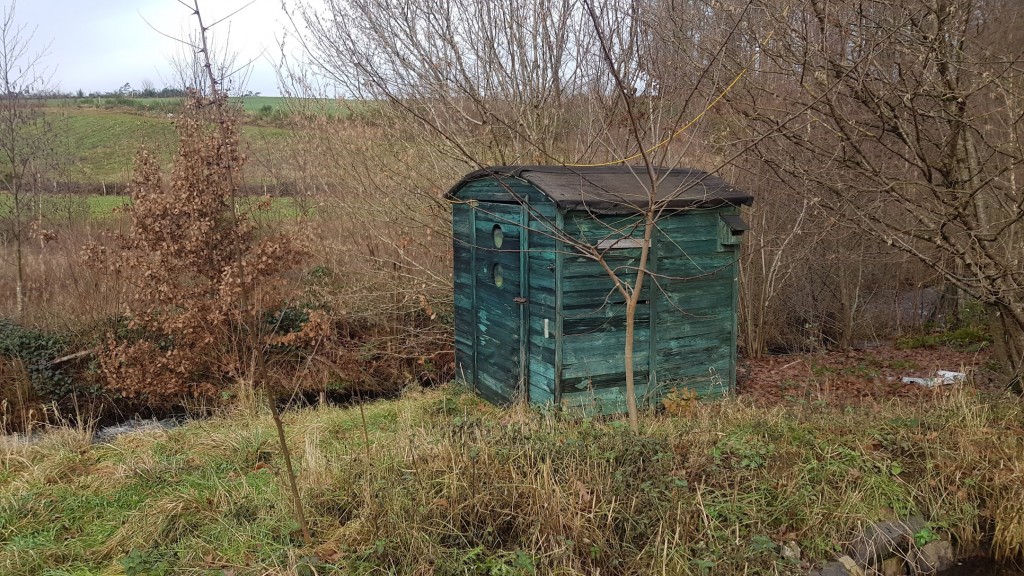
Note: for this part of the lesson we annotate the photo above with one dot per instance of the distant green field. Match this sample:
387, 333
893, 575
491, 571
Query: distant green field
62, 207
99, 138
255, 103
264, 105
103, 144
251, 104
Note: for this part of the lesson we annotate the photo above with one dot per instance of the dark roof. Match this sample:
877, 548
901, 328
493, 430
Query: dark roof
618, 188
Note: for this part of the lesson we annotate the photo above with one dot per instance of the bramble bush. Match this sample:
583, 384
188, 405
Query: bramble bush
35, 349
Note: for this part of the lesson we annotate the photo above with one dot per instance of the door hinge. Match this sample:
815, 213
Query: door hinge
519, 300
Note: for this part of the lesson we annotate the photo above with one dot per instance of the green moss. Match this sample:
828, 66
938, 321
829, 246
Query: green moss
968, 338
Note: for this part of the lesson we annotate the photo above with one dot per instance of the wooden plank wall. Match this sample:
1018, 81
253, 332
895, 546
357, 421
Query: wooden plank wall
465, 316
543, 275
696, 312
498, 314
498, 372
690, 311
594, 318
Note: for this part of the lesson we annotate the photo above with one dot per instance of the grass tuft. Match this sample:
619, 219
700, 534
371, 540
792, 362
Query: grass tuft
452, 485
968, 338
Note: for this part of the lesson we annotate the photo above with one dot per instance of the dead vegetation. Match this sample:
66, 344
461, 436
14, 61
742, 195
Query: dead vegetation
857, 377
198, 277
453, 485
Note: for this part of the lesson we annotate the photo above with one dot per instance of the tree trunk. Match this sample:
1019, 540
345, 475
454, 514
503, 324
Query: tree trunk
631, 408
19, 281
633, 298
1007, 328
293, 486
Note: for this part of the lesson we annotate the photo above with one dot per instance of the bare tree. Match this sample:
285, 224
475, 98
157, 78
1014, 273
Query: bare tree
204, 61
906, 120
768, 267
528, 81
22, 141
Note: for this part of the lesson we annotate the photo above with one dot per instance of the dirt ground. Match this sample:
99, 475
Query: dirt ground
855, 376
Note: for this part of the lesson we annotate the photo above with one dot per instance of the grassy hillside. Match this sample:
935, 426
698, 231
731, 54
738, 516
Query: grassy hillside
249, 103
100, 138
103, 143
62, 208
439, 482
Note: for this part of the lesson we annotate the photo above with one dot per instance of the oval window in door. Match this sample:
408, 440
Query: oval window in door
497, 235
498, 275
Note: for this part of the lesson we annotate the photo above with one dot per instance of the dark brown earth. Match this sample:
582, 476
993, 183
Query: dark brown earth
983, 567
855, 376
865, 377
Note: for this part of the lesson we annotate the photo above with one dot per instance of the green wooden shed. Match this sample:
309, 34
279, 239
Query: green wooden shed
535, 319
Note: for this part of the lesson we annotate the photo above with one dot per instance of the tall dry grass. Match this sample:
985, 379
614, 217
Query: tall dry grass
20, 406
63, 291
380, 241
450, 484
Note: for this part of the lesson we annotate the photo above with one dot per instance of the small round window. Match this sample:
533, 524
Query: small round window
498, 274
498, 236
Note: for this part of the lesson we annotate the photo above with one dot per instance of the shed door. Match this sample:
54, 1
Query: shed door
499, 301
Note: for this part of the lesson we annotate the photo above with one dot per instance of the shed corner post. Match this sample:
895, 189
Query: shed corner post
524, 311
472, 290
559, 311
652, 303
735, 315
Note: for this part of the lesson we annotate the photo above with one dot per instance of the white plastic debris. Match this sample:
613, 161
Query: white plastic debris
942, 378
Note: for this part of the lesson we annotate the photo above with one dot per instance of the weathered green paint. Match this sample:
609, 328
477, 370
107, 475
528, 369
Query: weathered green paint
524, 302
473, 264
463, 257
499, 312
560, 248
541, 301
685, 324
653, 296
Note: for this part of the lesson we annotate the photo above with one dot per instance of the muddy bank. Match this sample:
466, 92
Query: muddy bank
983, 566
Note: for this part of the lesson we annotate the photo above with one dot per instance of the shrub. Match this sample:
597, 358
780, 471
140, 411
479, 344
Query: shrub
200, 276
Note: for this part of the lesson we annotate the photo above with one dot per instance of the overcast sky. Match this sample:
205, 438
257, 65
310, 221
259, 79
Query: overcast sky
99, 45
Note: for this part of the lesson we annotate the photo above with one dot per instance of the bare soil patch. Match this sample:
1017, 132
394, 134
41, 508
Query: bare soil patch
856, 376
